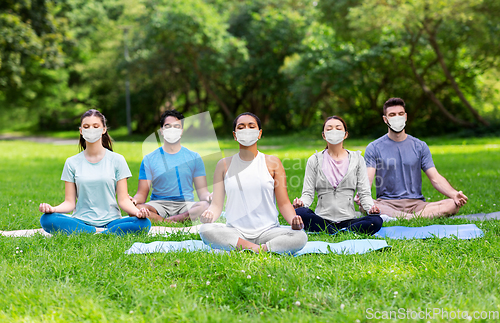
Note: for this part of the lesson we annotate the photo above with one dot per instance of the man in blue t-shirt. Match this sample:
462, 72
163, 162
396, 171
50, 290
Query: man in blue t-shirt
172, 170
397, 159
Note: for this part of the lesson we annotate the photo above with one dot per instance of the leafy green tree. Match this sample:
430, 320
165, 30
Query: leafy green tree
440, 40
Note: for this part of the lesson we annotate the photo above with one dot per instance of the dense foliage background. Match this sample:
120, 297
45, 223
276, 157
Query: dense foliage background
290, 62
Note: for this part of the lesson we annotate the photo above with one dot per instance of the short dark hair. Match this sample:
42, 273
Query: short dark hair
393, 102
235, 122
171, 113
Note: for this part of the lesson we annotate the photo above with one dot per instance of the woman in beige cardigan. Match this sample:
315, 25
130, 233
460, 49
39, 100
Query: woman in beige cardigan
336, 174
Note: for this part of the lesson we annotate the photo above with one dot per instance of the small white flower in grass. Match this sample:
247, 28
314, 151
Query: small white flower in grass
17, 247
265, 258
297, 303
317, 277
17, 251
392, 271
131, 312
358, 321
249, 276
21, 251
242, 271
10, 204
342, 306
208, 283
29, 201
283, 289
369, 272
493, 205
261, 313
269, 275
395, 293
173, 286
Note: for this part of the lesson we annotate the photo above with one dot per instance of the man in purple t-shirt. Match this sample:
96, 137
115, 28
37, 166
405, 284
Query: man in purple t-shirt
397, 159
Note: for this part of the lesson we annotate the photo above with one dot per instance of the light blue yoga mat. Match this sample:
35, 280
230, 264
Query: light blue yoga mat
462, 231
345, 247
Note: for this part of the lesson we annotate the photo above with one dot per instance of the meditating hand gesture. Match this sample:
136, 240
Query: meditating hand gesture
207, 216
460, 199
142, 213
46, 208
297, 223
374, 210
297, 203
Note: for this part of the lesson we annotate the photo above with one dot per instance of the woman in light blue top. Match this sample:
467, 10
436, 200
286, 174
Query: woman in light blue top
93, 179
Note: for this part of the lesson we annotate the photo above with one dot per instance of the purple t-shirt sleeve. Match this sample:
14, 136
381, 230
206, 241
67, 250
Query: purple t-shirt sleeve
426, 160
370, 159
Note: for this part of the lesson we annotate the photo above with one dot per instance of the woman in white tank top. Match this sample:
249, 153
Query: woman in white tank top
253, 183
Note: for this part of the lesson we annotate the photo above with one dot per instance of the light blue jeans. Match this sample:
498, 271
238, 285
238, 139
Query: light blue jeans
54, 222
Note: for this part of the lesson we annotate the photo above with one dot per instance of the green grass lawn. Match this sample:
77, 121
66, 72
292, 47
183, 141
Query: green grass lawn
89, 278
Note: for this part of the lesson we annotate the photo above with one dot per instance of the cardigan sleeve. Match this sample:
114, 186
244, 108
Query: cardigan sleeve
308, 188
363, 185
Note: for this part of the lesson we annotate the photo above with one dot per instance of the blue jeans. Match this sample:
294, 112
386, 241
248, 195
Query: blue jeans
314, 223
55, 222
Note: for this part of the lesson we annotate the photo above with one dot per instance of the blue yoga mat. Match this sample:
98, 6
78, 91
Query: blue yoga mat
462, 231
345, 247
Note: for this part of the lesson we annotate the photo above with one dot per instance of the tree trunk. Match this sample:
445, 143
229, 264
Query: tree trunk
434, 99
427, 90
435, 46
209, 90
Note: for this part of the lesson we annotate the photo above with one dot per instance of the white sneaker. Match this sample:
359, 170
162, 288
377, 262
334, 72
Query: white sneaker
387, 218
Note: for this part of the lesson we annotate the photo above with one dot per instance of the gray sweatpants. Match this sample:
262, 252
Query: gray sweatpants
278, 239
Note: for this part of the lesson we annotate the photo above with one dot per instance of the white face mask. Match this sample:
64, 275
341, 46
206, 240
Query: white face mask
247, 137
397, 123
172, 135
335, 136
92, 134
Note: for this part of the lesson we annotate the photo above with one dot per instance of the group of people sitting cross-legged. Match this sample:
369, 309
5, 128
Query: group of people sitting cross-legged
254, 184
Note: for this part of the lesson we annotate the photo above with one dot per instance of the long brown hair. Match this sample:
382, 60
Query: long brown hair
336, 118
106, 138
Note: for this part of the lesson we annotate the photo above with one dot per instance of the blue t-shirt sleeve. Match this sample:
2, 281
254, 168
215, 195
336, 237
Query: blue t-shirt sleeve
145, 170
68, 174
370, 159
121, 168
426, 160
199, 167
